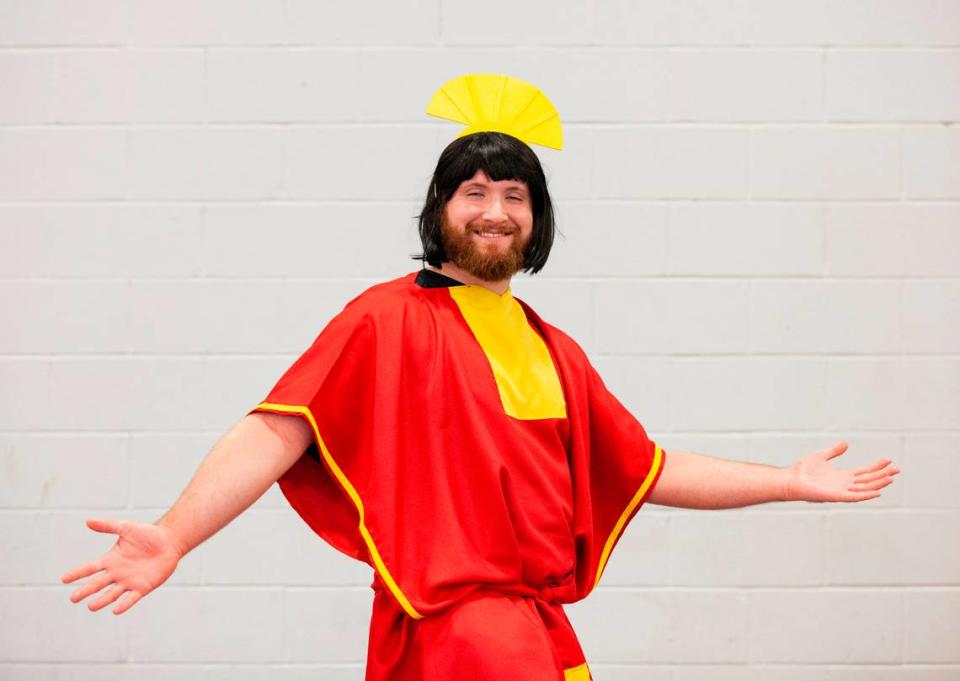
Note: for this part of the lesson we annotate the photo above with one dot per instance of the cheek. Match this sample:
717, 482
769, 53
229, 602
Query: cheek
526, 223
462, 214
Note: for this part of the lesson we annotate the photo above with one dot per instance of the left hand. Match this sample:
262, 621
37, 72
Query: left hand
812, 478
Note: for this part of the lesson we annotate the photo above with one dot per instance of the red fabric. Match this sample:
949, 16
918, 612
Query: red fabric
485, 523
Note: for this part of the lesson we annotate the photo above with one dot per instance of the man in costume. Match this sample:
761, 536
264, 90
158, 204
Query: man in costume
499, 493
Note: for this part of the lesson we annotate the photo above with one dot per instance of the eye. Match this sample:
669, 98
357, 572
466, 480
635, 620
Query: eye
474, 194
515, 198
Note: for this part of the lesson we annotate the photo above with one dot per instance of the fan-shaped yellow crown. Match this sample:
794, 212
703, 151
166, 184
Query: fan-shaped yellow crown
494, 102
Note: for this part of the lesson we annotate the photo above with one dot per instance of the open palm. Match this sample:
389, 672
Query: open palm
142, 559
812, 478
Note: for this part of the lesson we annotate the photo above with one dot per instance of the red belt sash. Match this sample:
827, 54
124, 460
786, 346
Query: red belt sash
513, 632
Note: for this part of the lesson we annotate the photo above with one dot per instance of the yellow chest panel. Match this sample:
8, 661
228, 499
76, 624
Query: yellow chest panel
526, 377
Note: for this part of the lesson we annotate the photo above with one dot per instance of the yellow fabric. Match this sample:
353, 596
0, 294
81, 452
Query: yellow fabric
352, 493
495, 102
522, 367
579, 673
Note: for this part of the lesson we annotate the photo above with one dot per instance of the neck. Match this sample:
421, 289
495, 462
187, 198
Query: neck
461, 275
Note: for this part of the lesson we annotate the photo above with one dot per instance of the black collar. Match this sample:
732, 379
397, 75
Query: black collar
430, 279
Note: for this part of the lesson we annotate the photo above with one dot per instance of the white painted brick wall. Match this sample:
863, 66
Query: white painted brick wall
769, 187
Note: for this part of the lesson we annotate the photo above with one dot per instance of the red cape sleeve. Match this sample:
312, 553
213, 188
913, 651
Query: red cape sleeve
324, 385
613, 463
625, 465
351, 385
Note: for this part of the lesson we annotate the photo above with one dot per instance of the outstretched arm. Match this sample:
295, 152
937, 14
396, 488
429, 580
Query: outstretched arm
237, 471
249, 458
697, 481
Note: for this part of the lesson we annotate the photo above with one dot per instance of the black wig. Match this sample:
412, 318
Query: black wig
501, 157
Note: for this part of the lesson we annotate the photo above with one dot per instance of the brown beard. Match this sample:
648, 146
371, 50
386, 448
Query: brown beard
464, 252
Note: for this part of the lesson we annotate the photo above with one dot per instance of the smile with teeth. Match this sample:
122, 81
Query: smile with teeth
493, 235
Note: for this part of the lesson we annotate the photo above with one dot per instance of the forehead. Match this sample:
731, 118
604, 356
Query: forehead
481, 178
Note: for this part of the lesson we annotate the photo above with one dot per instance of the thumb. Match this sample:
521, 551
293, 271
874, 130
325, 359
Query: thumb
836, 450
106, 526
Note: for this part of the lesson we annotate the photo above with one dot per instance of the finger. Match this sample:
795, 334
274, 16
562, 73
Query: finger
127, 602
870, 477
862, 496
107, 526
876, 484
866, 479
82, 571
872, 484
108, 598
836, 450
875, 466
90, 587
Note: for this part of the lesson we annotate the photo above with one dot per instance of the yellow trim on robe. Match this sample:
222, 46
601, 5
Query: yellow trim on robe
618, 528
578, 673
352, 493
526, 377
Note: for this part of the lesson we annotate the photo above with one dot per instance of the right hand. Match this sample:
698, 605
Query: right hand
143, 558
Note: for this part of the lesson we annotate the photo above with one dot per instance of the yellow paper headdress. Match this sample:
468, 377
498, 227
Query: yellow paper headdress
487, 102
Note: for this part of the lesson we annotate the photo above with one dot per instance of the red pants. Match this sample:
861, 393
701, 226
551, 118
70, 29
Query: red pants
517, 634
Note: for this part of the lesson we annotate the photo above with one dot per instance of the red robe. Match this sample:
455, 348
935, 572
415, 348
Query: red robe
478, 524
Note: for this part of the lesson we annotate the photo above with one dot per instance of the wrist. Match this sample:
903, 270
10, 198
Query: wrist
786, 484
179, 545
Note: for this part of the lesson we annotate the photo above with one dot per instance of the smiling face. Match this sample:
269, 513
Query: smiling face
486, 227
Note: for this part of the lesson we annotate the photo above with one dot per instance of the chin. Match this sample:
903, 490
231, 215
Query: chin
493, 272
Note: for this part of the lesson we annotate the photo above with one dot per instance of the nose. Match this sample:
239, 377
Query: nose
493, 211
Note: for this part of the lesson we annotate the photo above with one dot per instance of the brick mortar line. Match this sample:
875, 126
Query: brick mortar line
441, 45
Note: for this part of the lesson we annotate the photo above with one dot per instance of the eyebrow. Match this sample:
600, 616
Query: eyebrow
484, 185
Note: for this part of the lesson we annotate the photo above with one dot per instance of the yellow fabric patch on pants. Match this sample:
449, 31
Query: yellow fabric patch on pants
522, 367
580, 673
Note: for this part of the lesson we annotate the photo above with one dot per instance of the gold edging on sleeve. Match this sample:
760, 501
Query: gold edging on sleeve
618, 528
352, 493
